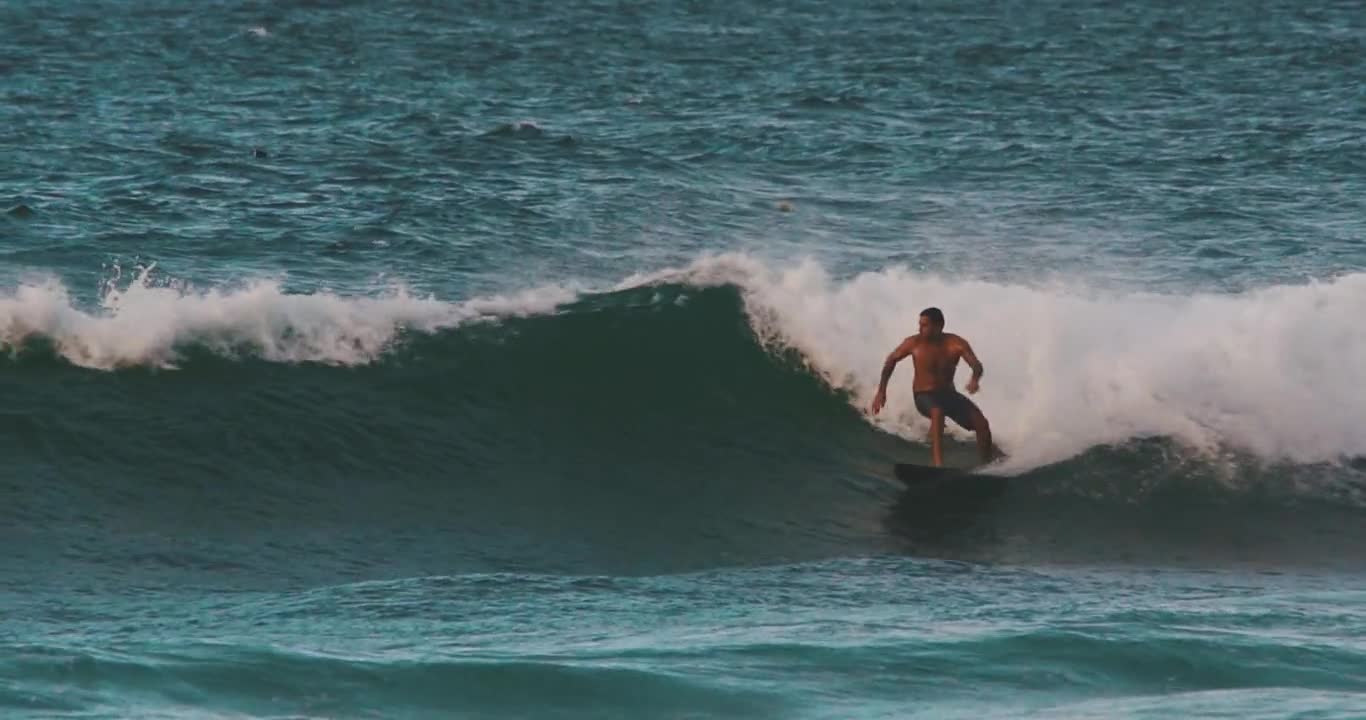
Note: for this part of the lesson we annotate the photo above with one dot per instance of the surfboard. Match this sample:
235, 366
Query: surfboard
960, 482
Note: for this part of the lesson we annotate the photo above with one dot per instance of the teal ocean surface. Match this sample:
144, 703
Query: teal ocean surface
511, 360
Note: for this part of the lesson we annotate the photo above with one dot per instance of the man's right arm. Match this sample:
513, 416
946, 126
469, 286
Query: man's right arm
897, 355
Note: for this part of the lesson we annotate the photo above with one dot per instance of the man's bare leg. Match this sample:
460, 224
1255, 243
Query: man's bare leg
937, 437
983, 429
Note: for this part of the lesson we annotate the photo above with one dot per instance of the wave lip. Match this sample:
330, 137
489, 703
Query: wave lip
145, 324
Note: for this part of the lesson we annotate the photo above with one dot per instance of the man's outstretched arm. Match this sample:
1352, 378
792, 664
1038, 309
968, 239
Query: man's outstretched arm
896, 356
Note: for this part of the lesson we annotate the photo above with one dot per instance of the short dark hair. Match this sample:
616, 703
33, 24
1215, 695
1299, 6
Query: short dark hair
935, 315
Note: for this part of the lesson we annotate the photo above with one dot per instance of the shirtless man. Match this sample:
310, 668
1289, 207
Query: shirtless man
936, 354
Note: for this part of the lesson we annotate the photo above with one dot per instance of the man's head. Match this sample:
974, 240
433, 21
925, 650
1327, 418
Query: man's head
931, 322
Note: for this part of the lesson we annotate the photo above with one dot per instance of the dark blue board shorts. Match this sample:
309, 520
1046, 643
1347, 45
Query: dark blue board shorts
955, 405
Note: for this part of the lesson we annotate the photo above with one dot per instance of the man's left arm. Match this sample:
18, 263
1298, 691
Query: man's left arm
970, 358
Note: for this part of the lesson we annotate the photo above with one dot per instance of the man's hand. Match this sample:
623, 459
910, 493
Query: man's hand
879, 400
971, 387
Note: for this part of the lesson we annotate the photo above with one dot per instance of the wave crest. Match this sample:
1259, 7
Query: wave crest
147, 323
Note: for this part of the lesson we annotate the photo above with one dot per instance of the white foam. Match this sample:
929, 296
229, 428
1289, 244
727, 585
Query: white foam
148, 324
1280, 372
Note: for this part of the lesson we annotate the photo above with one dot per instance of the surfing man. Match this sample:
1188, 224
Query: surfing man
936, 355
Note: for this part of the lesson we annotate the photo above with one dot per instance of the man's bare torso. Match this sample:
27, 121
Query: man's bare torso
936, 361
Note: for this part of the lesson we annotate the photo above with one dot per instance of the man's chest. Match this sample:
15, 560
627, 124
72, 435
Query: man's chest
933, 355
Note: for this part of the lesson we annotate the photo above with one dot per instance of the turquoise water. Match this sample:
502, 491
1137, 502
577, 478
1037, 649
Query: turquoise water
415, 360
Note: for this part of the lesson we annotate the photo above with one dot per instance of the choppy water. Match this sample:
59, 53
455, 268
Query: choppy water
425, 360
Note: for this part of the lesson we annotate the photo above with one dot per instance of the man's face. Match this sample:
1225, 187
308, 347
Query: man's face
928, 328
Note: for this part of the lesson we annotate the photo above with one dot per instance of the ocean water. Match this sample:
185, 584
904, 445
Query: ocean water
511, 360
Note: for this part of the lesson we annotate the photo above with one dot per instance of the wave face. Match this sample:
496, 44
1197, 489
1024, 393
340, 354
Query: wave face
711, 414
